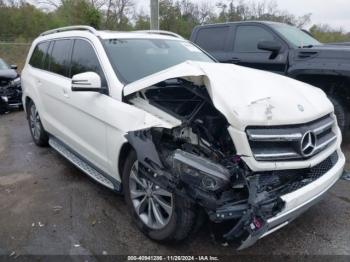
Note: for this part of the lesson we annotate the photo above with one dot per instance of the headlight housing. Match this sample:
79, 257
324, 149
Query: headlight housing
200, 172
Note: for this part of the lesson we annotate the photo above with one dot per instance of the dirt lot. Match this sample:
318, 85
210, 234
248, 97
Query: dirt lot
48, 206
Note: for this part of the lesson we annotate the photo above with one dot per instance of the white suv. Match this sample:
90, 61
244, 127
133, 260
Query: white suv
152, 115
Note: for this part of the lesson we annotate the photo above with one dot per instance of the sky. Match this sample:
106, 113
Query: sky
336, 13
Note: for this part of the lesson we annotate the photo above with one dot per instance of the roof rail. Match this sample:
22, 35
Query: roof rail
70, 28
159, 32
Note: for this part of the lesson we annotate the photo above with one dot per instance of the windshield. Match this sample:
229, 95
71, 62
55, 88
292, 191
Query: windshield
3, 65
134, 59
295, 36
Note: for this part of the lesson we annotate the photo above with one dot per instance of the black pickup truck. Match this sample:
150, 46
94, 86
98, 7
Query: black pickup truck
286, 50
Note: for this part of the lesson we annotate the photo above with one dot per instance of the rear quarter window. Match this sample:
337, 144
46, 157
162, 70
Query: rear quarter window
38, 55
212, 38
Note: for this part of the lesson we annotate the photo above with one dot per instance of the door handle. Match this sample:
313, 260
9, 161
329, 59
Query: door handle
235, 60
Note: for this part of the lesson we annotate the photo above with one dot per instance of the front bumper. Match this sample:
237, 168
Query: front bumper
11, 97
299, 201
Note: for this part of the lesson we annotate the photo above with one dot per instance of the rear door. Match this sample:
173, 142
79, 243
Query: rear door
54, 84
245, 50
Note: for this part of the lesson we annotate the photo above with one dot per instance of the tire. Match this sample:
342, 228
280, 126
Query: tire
341, 114
178, 224
39, 135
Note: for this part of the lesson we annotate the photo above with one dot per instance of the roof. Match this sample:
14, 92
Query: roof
77, 30
246, 22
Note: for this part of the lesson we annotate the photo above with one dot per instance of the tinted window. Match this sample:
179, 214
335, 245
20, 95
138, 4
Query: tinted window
212, 38
248, 37
59, 57
39, 53
47, 59
84, 59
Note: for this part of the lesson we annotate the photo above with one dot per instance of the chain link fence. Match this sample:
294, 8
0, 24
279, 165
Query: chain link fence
14, 52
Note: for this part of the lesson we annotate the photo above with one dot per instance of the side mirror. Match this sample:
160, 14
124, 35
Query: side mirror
88, 82
272, 46
14, 67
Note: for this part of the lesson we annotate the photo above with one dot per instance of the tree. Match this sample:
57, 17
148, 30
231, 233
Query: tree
326, 34
118, 13
77, 12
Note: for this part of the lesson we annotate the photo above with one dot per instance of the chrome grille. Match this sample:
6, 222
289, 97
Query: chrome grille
288, 142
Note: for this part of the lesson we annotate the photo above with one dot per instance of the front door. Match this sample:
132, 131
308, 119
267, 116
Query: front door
246, 52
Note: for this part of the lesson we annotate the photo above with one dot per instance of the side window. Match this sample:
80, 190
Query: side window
38, 55
248, 37
47, 59
212, 38
59, 57
84, 59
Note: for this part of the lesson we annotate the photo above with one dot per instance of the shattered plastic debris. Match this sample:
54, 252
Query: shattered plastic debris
38, 224
12, 253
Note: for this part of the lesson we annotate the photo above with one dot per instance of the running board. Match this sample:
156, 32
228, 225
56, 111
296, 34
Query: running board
81, 164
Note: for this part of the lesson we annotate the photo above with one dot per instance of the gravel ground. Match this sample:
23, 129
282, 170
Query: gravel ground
48, 207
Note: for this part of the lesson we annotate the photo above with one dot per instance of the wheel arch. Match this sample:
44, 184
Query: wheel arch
123, 155
27, 100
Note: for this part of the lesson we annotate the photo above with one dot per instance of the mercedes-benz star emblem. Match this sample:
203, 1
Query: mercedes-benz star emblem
308, 144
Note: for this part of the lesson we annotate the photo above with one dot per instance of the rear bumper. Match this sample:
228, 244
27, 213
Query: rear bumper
300, 200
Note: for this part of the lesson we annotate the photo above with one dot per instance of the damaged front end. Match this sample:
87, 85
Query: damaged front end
192, 152
10, 94
197, 160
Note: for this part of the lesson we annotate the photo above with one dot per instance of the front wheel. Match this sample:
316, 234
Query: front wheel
159, 214
39, 135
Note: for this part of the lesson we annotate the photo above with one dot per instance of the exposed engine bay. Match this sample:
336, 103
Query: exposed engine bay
197, 160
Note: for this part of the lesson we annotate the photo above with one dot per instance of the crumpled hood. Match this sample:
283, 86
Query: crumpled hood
248, 97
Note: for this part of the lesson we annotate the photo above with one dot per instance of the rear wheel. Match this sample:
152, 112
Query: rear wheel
36, 128
161, 215
341, 114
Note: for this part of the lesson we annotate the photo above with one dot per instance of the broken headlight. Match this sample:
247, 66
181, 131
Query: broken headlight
200, 172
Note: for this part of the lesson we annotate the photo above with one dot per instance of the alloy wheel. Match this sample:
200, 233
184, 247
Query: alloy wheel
152, 204
35, 124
